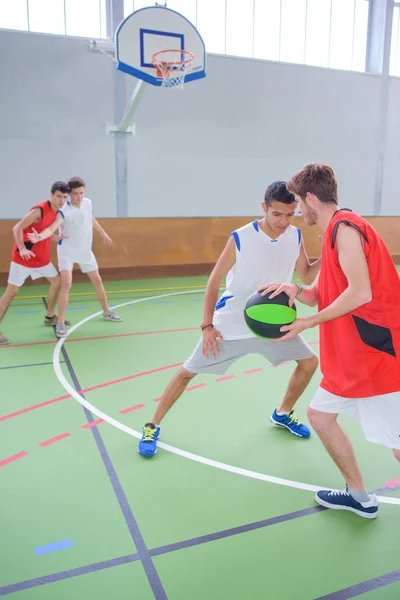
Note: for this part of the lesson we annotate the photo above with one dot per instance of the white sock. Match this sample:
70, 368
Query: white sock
359, 496
280, 414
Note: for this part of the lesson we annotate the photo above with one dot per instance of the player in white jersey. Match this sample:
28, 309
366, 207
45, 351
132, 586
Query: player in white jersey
265, 250
76, 247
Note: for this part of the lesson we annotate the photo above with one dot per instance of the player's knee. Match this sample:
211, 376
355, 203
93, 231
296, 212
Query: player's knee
186, 375
12, 290
309, 365
319, 420
396, 453
96, 279
66, 284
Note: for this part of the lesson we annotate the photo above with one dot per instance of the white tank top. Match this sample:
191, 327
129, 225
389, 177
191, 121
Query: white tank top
259, 260
78, 229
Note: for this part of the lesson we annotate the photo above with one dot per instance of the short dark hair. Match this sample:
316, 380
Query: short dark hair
318, 179
76, 182
60, 186
278, 192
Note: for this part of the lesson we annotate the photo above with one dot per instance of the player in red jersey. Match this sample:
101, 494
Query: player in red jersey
34, 260
357, 293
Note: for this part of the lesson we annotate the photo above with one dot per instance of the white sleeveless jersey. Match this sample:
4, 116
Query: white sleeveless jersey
77, 228
259, 260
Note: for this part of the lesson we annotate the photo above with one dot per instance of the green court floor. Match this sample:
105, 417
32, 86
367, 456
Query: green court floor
84, 516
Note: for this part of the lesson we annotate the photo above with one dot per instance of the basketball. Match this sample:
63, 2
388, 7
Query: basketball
265, 316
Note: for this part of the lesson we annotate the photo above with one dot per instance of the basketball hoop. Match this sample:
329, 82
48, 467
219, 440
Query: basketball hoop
171, 66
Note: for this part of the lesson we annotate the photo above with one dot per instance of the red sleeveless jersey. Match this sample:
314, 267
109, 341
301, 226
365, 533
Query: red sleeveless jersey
360, 352
41, 249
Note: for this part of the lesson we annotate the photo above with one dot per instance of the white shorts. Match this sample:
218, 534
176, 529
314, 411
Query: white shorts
18, 273
67, 264
379, 416
232, 350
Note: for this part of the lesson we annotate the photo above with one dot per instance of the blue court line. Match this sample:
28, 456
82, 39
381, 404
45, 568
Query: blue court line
29, 365
198, 299
136, 535
77, 308
211, 537
26, 312
54, 547
163, 302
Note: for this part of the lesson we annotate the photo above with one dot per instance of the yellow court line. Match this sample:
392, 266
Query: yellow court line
146, 290
161, 289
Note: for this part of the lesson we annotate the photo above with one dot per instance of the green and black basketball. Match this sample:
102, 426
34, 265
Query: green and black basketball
265, 316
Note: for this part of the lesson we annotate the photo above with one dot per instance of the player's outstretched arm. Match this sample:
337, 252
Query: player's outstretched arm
224, 264
351, 256
106, 238
32, 217
306, 270
36, 237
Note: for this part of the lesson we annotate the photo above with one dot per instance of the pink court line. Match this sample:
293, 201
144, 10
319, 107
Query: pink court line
195, 387
54, 439
92, 424
225, 378
96, 387
130, 409
102, 337
392, 483
5, 461
252, 371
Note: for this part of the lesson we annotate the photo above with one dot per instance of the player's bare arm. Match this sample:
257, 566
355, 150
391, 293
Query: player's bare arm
32, 217
36, 237
221, 269
306, 270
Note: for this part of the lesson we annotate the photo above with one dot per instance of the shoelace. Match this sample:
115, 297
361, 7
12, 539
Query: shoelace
294, 419
148, 434
339, 493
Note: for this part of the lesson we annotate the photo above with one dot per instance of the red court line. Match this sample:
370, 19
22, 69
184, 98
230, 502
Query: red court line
107, 383
102, 337
196, 387
92, 424
33, 407
130, 409
5, 461
392, 483
54, 439
96, 387
225, 378
101, 385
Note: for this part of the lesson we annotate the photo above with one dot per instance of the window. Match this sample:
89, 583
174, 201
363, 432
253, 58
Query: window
395, 47
267, 29
324, 33
239, 27
47, 16
14, 15
211, 20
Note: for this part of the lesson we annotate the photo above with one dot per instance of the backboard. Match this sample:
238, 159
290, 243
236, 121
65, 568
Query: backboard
150, 30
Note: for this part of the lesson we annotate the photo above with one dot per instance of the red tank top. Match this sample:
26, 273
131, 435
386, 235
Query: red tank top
360, 352
41, 249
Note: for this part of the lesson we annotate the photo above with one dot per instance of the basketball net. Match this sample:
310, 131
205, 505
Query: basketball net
172, 66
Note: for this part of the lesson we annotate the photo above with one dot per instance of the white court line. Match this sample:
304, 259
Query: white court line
195, 457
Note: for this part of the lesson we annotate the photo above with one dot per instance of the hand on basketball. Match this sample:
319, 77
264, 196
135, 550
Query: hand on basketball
297, 327
107, 240
33, 236
211, 347
290, 290
26, 254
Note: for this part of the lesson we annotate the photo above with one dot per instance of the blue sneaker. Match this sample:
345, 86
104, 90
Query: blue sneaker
148, 444
344, 501
292, 423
